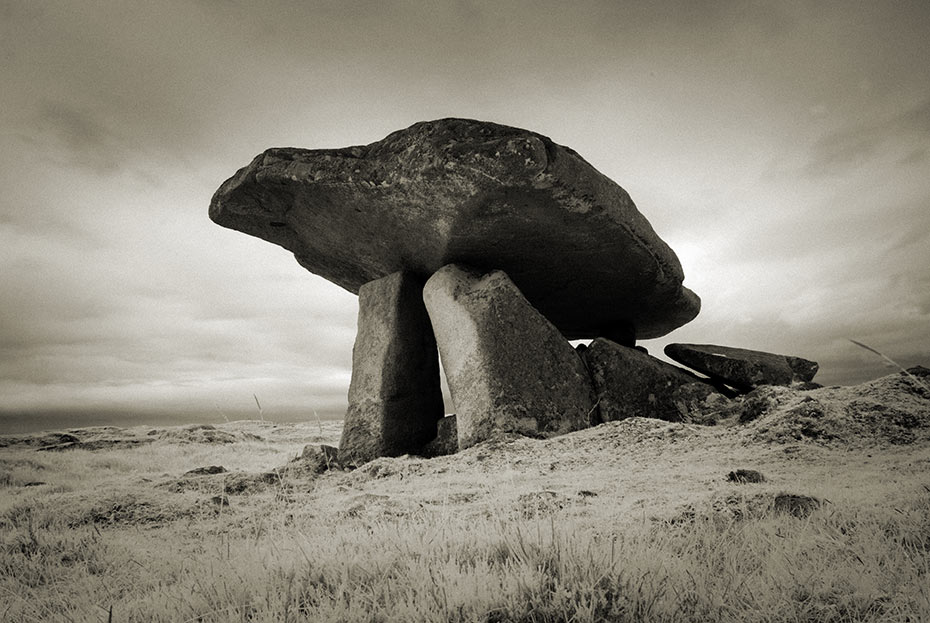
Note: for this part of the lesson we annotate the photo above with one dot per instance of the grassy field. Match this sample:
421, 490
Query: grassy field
628, 521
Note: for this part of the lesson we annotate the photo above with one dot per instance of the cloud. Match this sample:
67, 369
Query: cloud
84, 138
906, 134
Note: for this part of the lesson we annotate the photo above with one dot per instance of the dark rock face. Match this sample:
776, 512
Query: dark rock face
316, 459
630, 383
508, 368
205, 471
742, 368
447, 438
463, 191
394, 396
743, 476
798, 505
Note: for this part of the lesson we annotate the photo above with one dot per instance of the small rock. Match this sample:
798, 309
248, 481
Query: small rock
203, 471
798, 505
331, 453
220, 500
743, 476
316, 459
446, 441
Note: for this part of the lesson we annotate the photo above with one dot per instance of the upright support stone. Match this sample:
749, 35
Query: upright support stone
509, 369
395, 398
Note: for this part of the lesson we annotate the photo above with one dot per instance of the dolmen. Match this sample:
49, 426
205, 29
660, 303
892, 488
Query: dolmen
491, 246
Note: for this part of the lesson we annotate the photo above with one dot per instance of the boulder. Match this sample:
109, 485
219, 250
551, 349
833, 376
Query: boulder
509, 369
798, 505
394, 395
741, 368
629, 383
315, 460
488, 195
447, 438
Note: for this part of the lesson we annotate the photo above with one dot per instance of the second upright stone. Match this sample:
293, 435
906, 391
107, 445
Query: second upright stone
395, 398
509, 369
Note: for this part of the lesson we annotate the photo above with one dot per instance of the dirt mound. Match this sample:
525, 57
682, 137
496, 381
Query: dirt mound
203, 433
38, 440
893, 409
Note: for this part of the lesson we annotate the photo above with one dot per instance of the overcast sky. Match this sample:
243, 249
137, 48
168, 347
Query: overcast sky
781, 149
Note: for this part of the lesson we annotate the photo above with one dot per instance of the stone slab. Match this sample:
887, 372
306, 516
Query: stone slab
395, 398
508, 368
742, 368
472, 192
630, 383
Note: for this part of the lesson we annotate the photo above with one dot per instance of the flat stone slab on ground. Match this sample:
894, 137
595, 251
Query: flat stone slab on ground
464, 191
742, 368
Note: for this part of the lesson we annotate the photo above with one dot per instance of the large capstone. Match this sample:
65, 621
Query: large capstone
509, 369
488, 195
395, 398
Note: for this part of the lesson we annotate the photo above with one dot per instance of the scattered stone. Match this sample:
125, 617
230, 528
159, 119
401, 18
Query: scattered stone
220, 500
587, 494
315, 460
203, 471
509, 369
798, 505
446, 441
465, 191
630, 383
757, 403
395, 397
743, 476
740, 368
239, 483
331, 453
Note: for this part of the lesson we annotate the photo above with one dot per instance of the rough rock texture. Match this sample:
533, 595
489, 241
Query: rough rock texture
630, 383
743, 476
447, 438
316, 459
508, 368
394, 396
742, 368
457, 190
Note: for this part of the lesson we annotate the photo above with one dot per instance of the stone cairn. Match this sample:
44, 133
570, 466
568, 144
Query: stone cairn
493, 246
